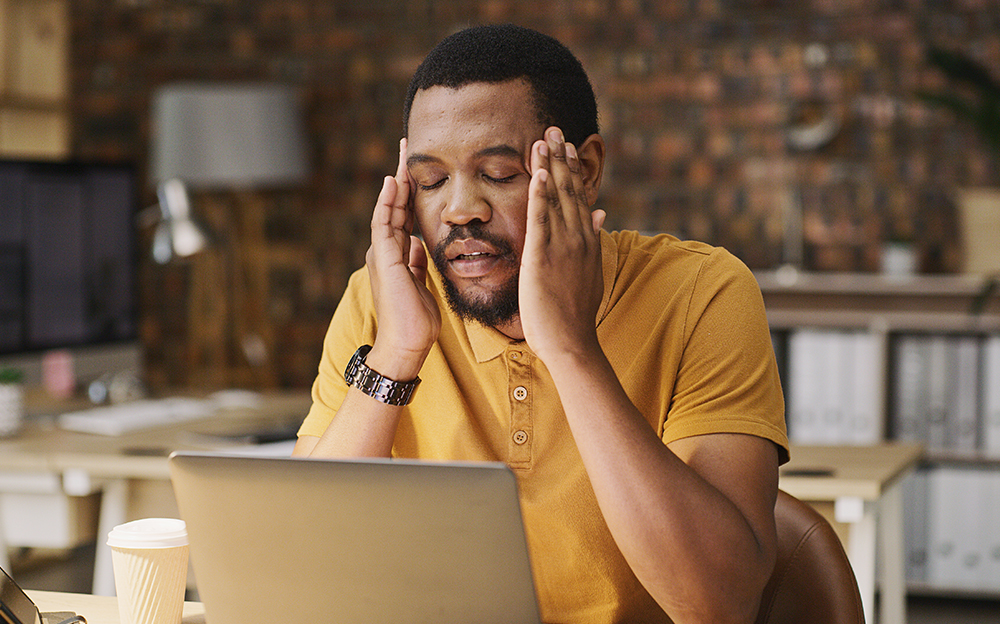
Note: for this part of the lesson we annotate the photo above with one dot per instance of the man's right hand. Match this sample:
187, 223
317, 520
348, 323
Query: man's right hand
409, 320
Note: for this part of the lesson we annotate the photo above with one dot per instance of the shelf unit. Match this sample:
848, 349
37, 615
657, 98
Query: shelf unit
34, 79
953, 501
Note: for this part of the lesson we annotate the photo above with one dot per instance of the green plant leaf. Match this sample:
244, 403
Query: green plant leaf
978, 104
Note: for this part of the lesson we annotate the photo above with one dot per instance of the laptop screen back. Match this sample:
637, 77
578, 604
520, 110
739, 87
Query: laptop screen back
373, 541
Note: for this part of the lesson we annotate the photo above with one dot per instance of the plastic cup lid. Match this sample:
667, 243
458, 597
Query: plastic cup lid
149, 533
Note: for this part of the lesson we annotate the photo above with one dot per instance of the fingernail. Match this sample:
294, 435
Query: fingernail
556, 135
543, 149
570, 151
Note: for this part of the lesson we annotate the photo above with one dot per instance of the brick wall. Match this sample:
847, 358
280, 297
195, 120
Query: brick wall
696, 97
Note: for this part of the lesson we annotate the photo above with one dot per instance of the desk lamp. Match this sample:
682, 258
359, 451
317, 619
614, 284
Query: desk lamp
219, 136
226, 138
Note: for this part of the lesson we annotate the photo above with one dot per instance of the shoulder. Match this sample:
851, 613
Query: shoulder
667, 262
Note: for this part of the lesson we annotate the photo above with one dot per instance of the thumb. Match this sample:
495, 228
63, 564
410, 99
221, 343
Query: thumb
598, 217
418, 260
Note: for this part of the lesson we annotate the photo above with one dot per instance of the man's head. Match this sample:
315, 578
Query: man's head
500, 53
476, 106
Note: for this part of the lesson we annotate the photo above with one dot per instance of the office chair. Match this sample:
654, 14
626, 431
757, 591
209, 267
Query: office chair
812, 581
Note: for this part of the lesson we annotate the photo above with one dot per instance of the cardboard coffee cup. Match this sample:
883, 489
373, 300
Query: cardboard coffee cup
150, 560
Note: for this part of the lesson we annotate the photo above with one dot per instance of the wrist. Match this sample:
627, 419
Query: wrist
569, 354
556, 344
398, 364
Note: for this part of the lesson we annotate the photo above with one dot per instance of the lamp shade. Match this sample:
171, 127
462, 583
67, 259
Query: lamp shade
227, 135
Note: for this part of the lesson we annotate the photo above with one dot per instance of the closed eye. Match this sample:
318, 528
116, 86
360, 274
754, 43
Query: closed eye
504, 180
430, 187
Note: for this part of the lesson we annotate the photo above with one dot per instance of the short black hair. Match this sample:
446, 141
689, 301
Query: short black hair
498, 53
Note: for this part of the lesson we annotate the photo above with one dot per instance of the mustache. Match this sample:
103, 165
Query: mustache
470, 231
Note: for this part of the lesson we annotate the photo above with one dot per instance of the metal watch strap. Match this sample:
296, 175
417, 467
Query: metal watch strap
374, 384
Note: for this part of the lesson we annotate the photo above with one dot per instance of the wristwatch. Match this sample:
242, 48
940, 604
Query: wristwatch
380, 388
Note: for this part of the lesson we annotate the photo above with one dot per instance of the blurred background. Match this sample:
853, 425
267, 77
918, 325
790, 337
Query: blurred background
186, 186
737, 122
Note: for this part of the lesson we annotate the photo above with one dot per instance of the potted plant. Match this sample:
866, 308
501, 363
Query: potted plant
974, 99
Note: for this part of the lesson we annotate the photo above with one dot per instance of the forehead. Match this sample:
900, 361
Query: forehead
476, 115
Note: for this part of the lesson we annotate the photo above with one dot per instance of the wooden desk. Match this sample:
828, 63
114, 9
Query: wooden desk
120, 466
862, 484
99, 609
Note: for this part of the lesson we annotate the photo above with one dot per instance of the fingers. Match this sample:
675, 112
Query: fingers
382, 216
557, 180
402, 215
418, 260
597, 218
392, 219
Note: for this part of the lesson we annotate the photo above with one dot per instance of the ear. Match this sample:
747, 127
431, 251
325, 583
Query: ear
591, 155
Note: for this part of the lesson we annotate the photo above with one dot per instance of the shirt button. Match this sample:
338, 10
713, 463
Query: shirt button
515, 355
520, 393
520, 437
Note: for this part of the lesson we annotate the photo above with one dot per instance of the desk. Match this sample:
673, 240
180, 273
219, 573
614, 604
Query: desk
99, 609
863, 485
117, 466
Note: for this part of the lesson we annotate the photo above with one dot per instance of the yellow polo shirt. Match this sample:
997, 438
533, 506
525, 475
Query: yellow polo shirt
683, 325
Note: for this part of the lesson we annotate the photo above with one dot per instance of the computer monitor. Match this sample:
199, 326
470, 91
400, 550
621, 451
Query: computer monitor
68, 259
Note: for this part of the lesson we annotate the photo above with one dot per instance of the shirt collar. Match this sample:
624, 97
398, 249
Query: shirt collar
609, 265
487, 343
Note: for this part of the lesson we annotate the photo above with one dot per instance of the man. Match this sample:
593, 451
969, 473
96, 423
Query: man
628, 381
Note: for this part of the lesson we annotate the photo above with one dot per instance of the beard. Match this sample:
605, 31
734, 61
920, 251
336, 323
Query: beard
492, 309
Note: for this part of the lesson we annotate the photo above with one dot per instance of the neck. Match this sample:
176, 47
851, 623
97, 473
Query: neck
511, 329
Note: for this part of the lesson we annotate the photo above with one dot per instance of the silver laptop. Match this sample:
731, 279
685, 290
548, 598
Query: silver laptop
352, 541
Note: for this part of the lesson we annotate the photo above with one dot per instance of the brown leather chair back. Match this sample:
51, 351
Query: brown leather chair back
812, 581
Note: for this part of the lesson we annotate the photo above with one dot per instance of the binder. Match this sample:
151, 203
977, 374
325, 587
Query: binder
991, 534
970, 563
864, 377
944, 520
938, 389
835, 393
965, 421
910, 389
915, 525
956, 551
804, 405
991, 396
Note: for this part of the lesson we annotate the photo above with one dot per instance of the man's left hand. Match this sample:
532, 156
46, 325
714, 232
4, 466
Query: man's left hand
561, 283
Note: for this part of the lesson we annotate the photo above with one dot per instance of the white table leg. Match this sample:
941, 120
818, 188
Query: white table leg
861, 520
113, 509
892, 573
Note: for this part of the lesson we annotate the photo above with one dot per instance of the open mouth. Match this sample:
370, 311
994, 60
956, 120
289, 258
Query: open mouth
471, 255
473, 264
470, 249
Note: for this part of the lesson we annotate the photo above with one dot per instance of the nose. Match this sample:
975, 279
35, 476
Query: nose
465, 203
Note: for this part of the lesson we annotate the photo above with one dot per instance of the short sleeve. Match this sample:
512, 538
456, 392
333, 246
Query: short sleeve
728, 378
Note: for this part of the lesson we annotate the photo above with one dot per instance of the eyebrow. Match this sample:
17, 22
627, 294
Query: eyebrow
506, 151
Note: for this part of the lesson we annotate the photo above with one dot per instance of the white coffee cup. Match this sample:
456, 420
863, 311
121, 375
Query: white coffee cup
150, 559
